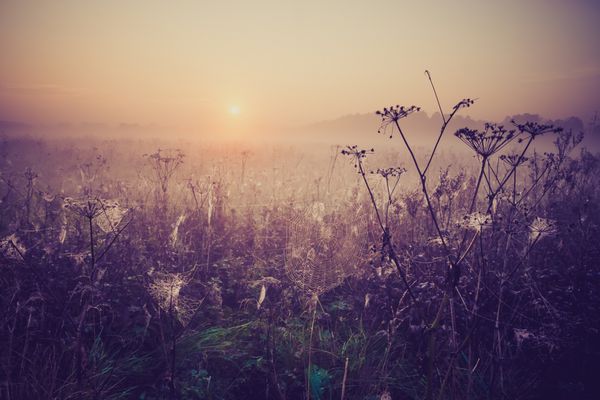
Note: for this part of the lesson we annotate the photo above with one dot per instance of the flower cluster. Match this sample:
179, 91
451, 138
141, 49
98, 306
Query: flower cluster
534, 129
88, 208
107, 214
513, 160
394, 113
391, 172
464, 103
487, 142
356, 153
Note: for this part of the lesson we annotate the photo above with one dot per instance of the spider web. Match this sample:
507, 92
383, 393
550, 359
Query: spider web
321, 250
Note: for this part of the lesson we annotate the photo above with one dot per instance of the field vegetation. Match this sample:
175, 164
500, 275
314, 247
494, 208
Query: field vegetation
146, 270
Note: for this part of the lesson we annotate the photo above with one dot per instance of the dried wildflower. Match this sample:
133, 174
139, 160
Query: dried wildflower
477, 221
356, 153
487, 142
540, 228
393, 114
107, 214
165, 162
88, 208
534, 129
464, 103
449, 186
392, 172
513, 160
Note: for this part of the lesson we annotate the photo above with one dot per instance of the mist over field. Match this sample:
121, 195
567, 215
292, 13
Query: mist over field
299, 200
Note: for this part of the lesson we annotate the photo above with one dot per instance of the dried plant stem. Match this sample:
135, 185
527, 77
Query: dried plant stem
387, 240
494, 193
423, 180
93, 256
344, 379
310, 338
173, 344
477, 185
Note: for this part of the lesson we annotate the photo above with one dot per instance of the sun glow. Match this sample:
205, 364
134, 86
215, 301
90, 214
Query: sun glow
234, 110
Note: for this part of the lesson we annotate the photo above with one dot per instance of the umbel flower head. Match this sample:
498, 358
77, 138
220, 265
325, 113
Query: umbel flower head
88, 208
392, 172
392, 114
487, 142
534, 129
513, 160
356, 153
107, 214
464, 103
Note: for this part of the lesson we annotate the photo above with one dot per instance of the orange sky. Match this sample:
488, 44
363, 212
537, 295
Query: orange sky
187, 63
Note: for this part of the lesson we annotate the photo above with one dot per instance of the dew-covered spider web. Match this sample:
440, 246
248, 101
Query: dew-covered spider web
322, 249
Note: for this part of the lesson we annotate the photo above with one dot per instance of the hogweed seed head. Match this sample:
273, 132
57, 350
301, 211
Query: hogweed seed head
534, 129
391, 172
487, 142
357, 154
464, 103
88, 208
393, 114
513, 160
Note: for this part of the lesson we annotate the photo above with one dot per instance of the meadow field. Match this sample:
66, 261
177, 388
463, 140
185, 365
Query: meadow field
147, 269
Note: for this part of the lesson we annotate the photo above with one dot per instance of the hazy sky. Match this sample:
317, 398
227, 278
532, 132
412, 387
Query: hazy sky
187, 63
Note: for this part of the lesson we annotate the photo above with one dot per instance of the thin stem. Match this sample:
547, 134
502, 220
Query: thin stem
344, 378
387, 240
312, 327
476, 192
426, 194
436, 96
371, 195
509, 174
112, 241
439, 138
93, 260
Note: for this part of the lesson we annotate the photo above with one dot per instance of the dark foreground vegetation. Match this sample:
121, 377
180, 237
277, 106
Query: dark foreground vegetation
230, 274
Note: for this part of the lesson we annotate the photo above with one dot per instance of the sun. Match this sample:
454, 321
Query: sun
234, 110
